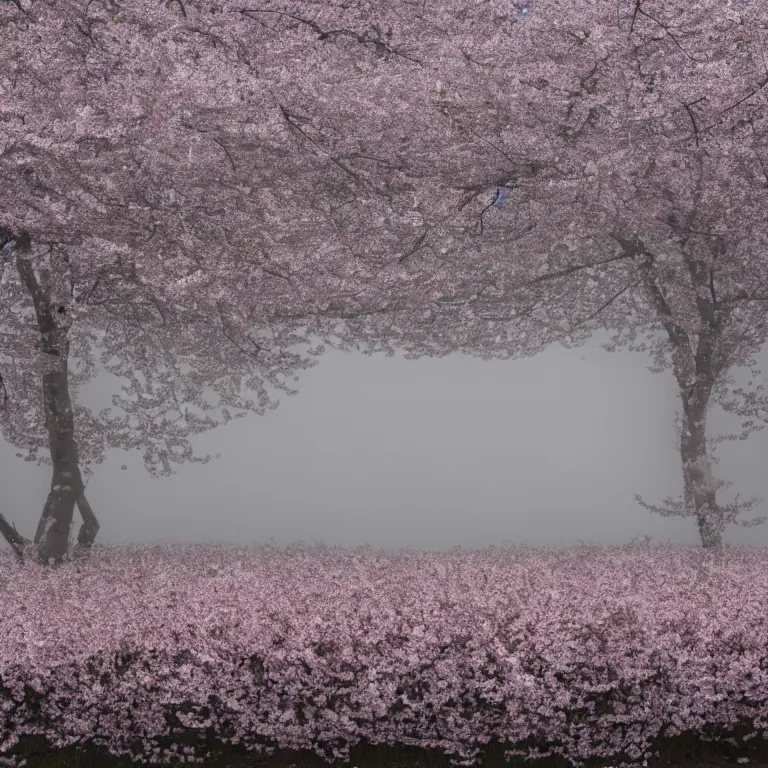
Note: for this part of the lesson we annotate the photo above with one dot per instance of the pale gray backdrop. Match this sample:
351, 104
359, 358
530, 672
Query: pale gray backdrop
428, 454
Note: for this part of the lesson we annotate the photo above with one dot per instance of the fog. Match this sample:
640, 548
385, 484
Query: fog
428, 454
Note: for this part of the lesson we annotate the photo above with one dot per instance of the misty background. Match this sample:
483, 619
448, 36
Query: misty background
427, 454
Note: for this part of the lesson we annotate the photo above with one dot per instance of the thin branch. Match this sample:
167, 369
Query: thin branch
742, 296
666, 29
761, 85
290, 120
507, 318
576, 267
634, 16
224, 330
492, 145
693, 120
325, 34
274, 274
608, 303
232, 162
748, 96
414, 249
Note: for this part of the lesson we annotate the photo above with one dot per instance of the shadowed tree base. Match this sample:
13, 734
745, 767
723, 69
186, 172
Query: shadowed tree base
686, 750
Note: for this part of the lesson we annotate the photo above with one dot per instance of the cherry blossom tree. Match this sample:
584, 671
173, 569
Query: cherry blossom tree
170, 353
278, 162
692, 292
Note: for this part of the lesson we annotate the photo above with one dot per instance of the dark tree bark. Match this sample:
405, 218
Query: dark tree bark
67, 488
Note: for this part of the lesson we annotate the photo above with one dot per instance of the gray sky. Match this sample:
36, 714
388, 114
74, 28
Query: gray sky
429, 454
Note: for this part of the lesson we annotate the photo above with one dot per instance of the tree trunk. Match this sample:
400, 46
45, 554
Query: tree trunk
85, 537
67, 488
52, 536
700, 491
